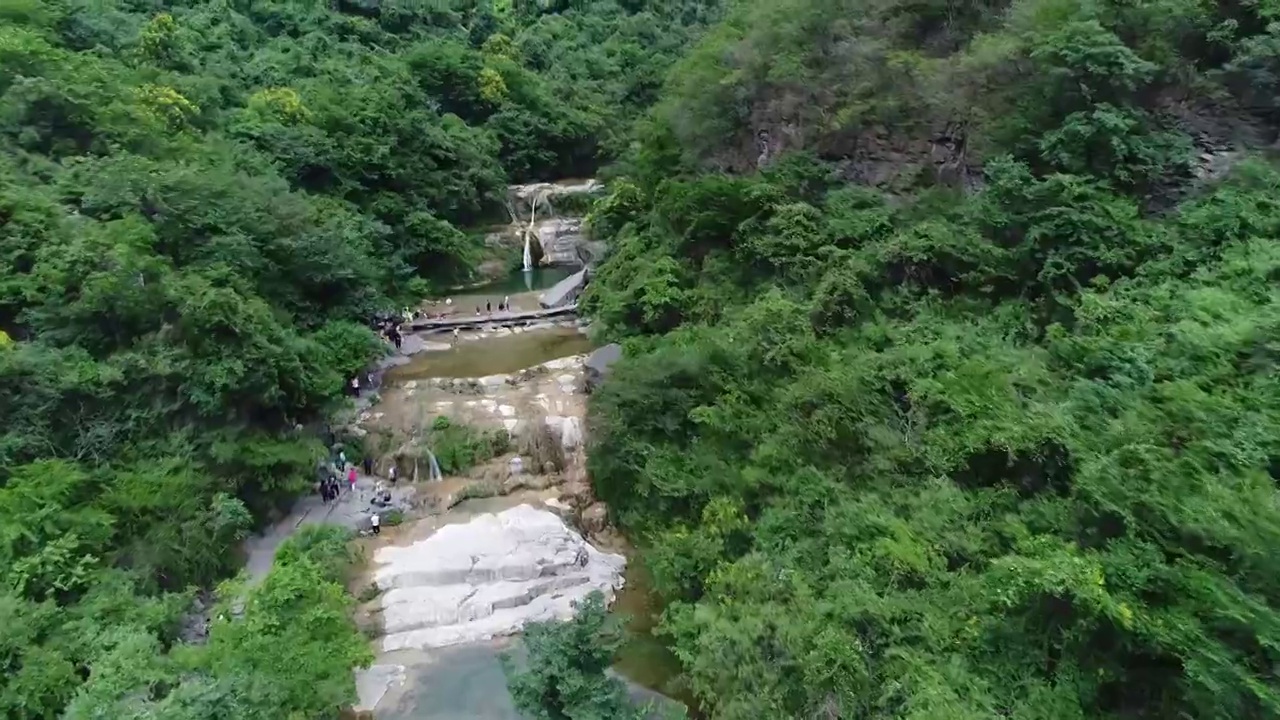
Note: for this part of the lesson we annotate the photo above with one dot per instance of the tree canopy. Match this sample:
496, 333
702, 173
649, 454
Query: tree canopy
201, 204
900, 446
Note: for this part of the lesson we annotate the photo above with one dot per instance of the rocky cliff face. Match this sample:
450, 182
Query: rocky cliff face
553, 213
945, 152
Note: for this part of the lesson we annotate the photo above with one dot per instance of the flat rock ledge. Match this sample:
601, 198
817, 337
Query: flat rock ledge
487, 578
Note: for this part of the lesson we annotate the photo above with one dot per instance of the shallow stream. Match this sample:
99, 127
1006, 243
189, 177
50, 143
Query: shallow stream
494, 355
646, 660
517, 281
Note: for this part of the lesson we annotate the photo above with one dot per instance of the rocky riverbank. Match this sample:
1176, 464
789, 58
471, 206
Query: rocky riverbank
514, 539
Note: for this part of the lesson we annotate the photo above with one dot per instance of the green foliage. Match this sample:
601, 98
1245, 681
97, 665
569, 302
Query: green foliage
201, 205
1010, 452
327, 547
565, 674
458, 448
289, 650
296, 645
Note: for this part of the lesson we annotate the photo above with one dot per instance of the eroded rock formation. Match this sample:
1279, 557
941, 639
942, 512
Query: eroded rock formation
487, 578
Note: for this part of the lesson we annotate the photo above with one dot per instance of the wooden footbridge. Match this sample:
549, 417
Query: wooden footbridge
492, 320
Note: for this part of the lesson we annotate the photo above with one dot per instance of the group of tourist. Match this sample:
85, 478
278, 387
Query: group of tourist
388, 326
504, 306
360, 381
331, 487
340, 466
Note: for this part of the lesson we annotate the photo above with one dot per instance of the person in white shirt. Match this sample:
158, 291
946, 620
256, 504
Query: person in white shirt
376, 524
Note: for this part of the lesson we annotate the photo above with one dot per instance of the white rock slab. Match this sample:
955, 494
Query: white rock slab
372, 684
487, 578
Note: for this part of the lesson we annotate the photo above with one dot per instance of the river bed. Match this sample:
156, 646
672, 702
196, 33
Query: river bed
505, 353
646, 660
430, 683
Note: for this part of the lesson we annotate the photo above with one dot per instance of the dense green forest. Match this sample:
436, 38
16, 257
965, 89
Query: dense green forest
201, 203
952, 333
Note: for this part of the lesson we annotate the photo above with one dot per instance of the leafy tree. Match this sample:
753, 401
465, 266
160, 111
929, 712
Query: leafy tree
565, 678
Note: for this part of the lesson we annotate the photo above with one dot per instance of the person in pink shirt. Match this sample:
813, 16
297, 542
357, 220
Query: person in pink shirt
351, 477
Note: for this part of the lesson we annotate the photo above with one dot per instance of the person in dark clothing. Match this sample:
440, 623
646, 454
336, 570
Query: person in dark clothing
488, 306
368, 465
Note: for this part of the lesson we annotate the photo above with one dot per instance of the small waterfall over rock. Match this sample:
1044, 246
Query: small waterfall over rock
434, 474
549, 214
528, 256
532, 231
571, 433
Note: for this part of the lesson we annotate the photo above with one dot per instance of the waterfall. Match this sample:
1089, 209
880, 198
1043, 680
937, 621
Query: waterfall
530, 234
435, 475
570, 433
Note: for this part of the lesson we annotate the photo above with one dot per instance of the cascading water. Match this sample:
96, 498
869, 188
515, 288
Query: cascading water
531, 232
435, 474
529, 235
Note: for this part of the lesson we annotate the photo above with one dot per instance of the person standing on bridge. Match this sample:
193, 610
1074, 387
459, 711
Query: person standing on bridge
488, 306
506, 304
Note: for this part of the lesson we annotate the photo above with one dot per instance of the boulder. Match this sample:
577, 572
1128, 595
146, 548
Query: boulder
595, 518
539, 444
576, 493
565, 292
597, 365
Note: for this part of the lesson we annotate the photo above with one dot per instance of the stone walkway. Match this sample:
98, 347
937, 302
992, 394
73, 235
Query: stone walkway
350, 510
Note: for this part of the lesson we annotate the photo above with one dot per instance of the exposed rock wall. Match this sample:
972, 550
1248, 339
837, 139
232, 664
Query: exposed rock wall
553, 213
